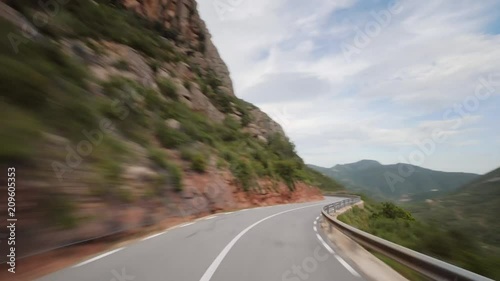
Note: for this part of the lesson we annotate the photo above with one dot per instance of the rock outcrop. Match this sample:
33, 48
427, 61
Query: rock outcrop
182, 16
194, 37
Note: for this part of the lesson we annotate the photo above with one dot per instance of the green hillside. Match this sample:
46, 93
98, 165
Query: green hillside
393, 223
374, 179
472, 209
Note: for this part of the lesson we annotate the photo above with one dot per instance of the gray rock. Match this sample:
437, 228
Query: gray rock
201, 103
139, 174
173, 124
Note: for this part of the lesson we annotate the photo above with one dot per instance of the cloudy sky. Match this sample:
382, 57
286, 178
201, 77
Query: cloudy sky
411, 81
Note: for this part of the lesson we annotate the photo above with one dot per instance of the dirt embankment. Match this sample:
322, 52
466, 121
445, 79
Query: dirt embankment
203, 194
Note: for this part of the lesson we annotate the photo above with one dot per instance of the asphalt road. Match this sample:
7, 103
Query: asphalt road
280, 243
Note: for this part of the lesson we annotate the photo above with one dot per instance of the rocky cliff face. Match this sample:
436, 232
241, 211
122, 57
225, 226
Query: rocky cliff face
120, 120
194, 37
182, 15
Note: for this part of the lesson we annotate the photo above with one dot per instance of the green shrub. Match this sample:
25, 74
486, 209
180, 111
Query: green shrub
155, 65
158, 157
122, 88
199, 163
169, 33
22, 85
121, 65
203, 85
246, 119
157, 189
221, 164
135, 132
231, 124
154, 102
259, 169
60, 211
391, 211
124, 195
98, 49
109, 21
41, 61
19, 134
171, 138
110, 170
243, 172
175, 176
285, 169
198, 130
197, 159
212, 80
281, 146
168, 89
227, 155
221, 101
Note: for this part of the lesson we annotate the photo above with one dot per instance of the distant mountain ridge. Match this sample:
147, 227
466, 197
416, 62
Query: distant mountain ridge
403, 182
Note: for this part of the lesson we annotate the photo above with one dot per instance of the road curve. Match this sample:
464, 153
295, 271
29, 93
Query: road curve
281, 243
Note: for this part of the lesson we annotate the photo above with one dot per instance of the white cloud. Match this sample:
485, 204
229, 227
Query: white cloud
286, 57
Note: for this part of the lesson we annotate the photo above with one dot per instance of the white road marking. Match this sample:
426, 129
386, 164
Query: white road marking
215, 264
98, 257
315, 229
339, 258
315, 222
183, 225
346, 265
328, 248
209, 218
152, 236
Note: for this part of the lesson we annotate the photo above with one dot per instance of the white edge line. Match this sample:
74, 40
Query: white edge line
152, 236
346, 265
215, 264
328, 248
315, 229
339, 258
98, 257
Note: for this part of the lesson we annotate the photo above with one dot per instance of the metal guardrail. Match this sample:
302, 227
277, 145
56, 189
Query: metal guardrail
428, 266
